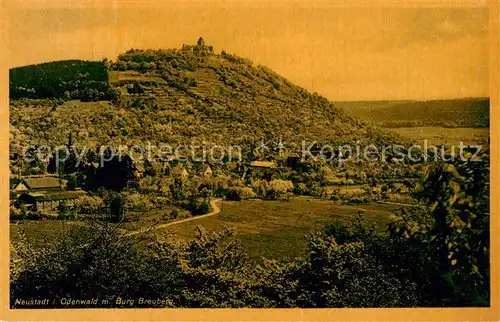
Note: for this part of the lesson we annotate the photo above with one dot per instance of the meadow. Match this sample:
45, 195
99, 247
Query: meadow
278, 229
445, 136
265, 228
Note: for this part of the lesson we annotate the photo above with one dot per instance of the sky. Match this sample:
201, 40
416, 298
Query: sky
364, 53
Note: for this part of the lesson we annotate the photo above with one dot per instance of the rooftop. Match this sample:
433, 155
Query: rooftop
263, 164
42, 183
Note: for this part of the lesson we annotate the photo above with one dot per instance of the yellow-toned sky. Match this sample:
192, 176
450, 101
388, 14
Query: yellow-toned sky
344, 54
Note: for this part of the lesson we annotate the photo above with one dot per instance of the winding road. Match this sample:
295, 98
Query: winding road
215, 211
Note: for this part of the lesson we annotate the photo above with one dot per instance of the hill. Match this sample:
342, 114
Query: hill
467, 112
193, 95
76, 79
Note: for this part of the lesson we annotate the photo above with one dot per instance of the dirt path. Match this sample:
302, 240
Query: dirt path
215, 211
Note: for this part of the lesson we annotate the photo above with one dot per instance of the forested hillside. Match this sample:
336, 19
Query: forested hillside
175, 96
76, 79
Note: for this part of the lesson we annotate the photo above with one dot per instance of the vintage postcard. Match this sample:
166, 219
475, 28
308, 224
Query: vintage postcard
219, 160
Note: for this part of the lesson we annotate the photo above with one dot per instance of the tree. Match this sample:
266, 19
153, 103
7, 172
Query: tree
116, 174
85, 262
115, 203
72, 182
451, 246
207, 271
89, 204
280, 189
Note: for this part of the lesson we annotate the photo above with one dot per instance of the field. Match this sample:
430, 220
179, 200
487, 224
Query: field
131, 76
446, 136
271, 229
278, 229
466, 112
41, 232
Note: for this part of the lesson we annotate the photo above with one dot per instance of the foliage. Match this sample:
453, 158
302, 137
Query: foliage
209, 271
279, 189
74, 79
436, 257
90, 204
187, 113
86, 262
17, 213
451, 248
240, 193
138, 202
115, 203
116, 174
198, 207
180, 214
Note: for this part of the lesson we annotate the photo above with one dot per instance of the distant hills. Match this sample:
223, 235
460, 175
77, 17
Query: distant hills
467, 112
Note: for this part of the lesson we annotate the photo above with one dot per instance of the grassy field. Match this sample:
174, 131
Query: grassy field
119, 76
278, 229
40, 233
271, 229
446, 136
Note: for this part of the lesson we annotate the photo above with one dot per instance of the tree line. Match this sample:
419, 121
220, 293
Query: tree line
69, 79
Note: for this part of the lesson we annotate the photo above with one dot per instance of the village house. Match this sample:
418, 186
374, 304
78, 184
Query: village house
38, 184
48, 201
44, 193
180, 172
260, 168
206, 171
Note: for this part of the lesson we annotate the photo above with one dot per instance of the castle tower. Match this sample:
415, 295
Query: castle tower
201, 42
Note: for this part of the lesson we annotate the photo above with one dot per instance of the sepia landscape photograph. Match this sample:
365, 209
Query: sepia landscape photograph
249, 155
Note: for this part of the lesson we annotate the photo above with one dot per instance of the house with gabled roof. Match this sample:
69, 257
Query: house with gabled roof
38, 184
180, 172
206, 171
50, 200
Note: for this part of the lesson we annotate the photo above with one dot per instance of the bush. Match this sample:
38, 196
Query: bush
72, 182
16, 214
197, 207
35, 215
139, 202
300, 189
334, 197
84, 263
89, 205
240, 193
180, 214
280, 189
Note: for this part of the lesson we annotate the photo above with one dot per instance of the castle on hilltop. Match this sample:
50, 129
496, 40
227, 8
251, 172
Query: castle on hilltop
199, 48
